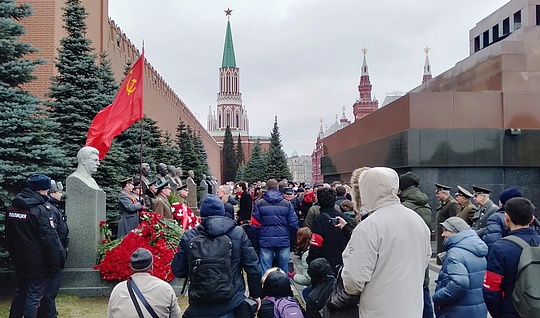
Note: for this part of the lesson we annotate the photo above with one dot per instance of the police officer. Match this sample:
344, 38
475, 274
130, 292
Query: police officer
48, 307
33, 244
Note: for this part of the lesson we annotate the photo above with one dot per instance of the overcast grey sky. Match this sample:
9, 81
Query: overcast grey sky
299, 59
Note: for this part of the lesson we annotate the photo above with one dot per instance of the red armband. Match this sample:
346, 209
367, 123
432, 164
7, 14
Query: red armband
317, 240
492, 281
255, 222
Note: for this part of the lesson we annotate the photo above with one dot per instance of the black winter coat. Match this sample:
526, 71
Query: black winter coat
328, 241
340, 304
31, 238
246, 207
322, 279
60, 221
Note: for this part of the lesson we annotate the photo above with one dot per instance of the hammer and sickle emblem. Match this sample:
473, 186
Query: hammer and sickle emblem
130, 87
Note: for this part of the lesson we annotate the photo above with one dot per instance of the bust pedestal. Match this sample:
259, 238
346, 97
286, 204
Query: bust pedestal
85, 208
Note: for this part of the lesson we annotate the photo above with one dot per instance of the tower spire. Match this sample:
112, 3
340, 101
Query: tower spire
365, 105
228, 50
427, 67
364, 71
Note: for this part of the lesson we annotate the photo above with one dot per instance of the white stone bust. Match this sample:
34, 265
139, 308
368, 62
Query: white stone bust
87, 164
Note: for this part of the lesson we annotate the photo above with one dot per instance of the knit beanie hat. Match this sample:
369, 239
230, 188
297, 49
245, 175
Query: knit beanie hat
38, 182
212, 206
455, 224
408, 179
141, 260
508, 194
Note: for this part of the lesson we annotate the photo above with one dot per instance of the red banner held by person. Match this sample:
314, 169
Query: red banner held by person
125, 110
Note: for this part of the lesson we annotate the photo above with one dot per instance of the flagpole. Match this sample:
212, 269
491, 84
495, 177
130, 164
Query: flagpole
141, 128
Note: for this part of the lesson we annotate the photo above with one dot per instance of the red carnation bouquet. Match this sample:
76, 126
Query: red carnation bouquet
185, 216
158, 235
309, 198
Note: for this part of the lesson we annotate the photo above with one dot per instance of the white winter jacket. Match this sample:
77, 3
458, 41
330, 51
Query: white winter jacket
388, 252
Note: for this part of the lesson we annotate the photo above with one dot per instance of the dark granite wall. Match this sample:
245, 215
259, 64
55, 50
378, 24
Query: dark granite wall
486, 157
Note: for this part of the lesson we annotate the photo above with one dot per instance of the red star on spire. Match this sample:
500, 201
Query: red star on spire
228, 12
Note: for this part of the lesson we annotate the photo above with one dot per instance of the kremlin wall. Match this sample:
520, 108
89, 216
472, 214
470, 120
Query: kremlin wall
44, 31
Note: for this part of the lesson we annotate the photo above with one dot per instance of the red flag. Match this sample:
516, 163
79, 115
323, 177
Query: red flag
125, 110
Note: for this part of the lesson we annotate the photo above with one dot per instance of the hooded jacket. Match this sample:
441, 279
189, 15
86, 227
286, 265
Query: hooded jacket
274, 221
388, 252
243, 258
417, 201
459, 285
31, 238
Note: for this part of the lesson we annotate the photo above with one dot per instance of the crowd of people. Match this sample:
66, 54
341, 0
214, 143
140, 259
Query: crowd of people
359, 247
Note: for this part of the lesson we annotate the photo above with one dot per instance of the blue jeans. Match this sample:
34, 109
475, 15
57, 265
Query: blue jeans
27, 298
428, 305
282, 255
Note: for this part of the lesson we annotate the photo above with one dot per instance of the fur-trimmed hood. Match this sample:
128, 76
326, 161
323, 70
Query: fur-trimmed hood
356, 189
378, 188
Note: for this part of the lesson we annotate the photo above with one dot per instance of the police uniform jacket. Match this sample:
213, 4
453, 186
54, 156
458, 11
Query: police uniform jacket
31, 238
60, 222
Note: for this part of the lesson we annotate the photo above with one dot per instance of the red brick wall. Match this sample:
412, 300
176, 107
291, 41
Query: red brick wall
44, 31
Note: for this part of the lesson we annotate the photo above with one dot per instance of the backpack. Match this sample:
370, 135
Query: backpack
210, 268
526, 294
286, 307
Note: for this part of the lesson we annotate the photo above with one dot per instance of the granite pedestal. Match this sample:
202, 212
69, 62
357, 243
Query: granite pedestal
85, 208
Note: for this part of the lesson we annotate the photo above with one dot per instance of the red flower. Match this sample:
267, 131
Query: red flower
102, 223
155, 234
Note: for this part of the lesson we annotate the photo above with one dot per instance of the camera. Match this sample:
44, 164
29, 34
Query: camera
334, 221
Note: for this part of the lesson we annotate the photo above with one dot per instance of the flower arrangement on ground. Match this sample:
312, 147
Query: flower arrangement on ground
158, 235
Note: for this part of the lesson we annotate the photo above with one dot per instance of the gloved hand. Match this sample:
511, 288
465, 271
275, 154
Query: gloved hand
291, 275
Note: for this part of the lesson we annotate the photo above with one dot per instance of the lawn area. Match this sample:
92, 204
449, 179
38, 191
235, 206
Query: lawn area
74, 306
